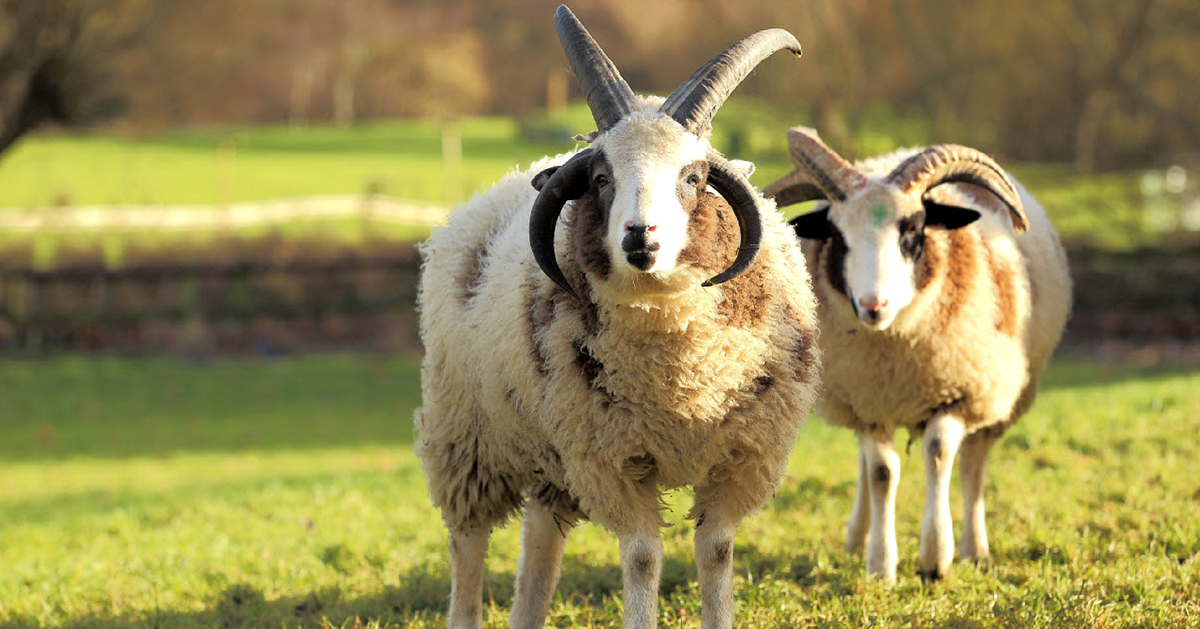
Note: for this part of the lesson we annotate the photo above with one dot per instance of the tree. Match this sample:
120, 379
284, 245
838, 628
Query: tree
58, 60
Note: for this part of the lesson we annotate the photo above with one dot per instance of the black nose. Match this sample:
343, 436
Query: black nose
637, 241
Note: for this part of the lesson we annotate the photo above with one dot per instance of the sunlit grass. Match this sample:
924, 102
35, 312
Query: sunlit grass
285, 493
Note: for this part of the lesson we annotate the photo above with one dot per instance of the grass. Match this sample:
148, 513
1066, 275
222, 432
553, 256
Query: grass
404, 159
161, 493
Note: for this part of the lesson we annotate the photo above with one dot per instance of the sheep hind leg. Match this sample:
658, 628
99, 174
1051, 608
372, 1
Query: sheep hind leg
860, 518
545, 538
973, 544
883, 479
940, 444
468, 549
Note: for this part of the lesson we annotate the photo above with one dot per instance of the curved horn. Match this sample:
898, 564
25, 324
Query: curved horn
831, 173
608, 95
791, 189
947, 163
741, 197
694, 103
568, 182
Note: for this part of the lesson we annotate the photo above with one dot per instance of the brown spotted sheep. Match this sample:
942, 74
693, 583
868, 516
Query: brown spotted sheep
939, 307
657, 336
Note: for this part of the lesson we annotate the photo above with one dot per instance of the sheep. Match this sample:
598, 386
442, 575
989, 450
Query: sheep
939, 306
585, 389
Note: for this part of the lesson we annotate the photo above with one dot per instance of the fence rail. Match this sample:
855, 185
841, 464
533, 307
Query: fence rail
220, 216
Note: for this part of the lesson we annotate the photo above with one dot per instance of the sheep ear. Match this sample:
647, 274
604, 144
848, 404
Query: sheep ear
814, 225
948, 216
541, 178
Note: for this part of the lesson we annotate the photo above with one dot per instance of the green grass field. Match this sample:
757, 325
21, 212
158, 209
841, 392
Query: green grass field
404, 159
163, 493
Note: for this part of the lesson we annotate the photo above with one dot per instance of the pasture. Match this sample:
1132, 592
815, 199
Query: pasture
406, 159
245, 493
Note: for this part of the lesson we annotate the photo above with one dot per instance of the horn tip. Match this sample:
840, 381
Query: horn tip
803, 133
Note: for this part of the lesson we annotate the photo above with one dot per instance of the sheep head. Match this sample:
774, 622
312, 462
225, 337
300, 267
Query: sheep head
878, 226
650, 164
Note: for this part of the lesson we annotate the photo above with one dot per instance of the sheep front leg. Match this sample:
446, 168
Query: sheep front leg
940, 444
641, 568
468, 549
974, 542
883, 478
860, 518
714, 562
545, 538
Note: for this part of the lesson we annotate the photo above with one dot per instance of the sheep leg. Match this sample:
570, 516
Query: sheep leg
942, 437
860, 518
641, 568
468, 549
541, 556
883, 467
974, 542
714, 561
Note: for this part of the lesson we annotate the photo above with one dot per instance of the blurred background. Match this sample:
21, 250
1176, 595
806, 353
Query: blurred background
209, 359
250, 177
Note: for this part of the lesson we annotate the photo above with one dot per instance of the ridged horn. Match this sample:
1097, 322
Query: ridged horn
567, 183
694, 103
946, 163
741, 197
818, 165
608, 95
791, 189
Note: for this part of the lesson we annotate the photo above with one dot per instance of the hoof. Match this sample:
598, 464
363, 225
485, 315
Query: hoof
929, 576
983, 563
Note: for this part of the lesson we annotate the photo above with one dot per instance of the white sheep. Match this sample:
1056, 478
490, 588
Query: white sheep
591, 387
939, 307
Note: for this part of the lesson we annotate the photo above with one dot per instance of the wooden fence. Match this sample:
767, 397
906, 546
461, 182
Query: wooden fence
267, 297
219, 217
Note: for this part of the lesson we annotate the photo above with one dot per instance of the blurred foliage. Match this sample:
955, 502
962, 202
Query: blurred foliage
1100, 84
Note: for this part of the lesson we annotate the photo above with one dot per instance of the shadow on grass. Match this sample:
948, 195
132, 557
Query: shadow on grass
422, 594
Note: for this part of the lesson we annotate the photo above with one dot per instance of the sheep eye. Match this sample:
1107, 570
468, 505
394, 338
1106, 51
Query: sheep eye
693, 179
601, 179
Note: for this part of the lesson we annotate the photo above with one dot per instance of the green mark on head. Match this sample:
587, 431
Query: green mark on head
879, 215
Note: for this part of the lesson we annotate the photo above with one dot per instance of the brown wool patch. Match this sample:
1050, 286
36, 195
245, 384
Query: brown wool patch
803, 354
962, 268
932, 261
586, 231
585, 307
587, 364
539, 312
473, 275
712, 235
1006, 297
712, 244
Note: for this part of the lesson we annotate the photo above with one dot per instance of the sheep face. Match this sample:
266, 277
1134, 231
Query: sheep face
647, 175
880, 235
878, 225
